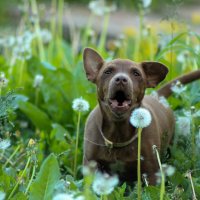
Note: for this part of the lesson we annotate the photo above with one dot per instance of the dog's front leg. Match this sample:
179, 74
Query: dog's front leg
150, 168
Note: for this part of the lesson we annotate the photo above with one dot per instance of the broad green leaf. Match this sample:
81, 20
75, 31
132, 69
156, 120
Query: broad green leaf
59, 132
49, 66
42, 188
37, 116
20, 196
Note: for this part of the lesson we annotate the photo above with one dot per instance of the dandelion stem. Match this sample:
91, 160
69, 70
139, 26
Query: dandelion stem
21, 72
162, 188
171, 49
12, 155
104, 32
193, 140
37, 95
37, 29
30, 181
139, 37
20, 178
76, 148
60, 17
88, 26
139, 164
192, 185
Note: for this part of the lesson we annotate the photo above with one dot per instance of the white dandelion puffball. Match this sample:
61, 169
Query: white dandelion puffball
80, 105
104, 184
63, 196
146, 3
4, 144
38, 80
140, 118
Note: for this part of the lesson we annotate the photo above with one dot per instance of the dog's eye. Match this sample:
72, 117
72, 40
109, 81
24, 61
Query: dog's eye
108, 71
135, 73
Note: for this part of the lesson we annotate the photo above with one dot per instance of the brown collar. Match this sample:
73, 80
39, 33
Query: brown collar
111, 144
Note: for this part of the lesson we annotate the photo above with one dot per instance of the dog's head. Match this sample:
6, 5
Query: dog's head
121, 83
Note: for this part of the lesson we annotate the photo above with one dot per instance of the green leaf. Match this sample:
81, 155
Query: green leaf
42, 188
47, 65
59, 132
37, 116
20, 196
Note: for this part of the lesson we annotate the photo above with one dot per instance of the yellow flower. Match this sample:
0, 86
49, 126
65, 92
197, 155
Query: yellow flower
129, 31
31, 142
195, 18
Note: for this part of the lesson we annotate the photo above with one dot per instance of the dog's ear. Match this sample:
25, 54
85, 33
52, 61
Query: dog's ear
155, 72
92, 63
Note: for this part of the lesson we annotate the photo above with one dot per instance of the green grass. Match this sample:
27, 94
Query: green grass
38, 119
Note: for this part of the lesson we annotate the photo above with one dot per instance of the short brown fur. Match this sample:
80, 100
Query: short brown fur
121, 87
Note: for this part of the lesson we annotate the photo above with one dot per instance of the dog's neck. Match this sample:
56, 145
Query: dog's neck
117, 130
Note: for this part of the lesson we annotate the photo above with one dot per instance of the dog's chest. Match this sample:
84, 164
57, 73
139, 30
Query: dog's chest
124, 154
121, 161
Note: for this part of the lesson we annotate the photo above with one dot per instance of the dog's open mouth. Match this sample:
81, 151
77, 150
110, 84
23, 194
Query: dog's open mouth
120, 100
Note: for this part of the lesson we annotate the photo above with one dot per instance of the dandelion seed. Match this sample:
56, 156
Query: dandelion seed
104, 184
178, 88
63, 196
3, 80
140, 118
80, 105
38, 80
99, 7
4, 144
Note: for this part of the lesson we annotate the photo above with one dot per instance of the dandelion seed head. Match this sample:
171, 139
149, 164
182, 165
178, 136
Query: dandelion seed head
80, 198
161, 99
63, 196
104, 184
4, 144
182, 57
38, 80
99, 7
146, 3
178, 88
140, 118
9, 41
169, 170
197, 49
46, 36
183, 125
80, 105
3, 80
22, 53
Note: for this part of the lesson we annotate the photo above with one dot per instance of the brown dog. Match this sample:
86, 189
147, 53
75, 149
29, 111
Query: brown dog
110, 139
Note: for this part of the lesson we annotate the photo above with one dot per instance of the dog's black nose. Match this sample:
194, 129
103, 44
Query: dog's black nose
121, 79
